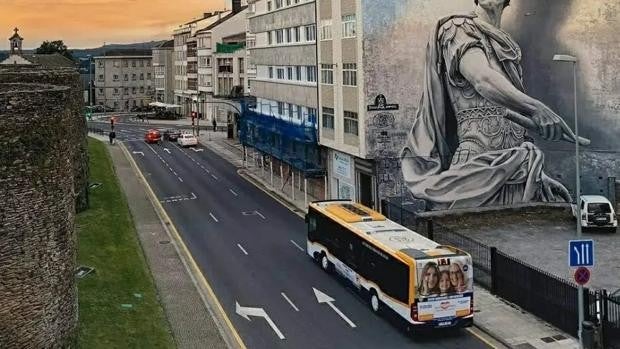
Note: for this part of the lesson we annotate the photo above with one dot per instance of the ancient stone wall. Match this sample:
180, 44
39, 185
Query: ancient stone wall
77, 127
39, 148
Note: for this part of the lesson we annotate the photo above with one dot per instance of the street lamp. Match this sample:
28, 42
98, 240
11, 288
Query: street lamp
573, 60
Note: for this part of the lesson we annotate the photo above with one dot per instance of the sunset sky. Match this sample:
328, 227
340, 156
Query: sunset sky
88, 23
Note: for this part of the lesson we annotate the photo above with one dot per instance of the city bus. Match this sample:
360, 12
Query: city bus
427, 284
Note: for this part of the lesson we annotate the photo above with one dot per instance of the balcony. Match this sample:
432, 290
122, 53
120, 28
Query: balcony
228, 48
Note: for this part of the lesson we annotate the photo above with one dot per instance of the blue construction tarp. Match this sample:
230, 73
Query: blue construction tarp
293, 143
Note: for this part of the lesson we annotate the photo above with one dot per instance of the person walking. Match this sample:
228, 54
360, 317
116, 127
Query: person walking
214, 124
112, 136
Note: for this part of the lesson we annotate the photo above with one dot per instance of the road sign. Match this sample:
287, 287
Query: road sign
580, 253
582, 275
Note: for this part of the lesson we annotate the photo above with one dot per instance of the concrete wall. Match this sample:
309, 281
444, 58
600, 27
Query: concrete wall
395, 38
289, 93
38, 123
286, 18
303, 54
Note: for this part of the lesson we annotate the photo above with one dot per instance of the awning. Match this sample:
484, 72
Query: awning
164, 105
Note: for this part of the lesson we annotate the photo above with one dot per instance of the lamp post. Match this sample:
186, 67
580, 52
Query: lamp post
573, 60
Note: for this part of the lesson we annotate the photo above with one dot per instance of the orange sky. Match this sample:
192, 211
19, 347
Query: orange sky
88, 23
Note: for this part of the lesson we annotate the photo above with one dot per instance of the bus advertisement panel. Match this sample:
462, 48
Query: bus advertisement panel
445, 289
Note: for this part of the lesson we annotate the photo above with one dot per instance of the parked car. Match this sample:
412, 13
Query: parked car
152, 136
597, 212
171, 135
187, 140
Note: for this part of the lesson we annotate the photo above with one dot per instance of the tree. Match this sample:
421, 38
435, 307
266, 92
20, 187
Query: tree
49, 47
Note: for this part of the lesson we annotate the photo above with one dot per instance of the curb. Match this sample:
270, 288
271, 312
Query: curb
492, 335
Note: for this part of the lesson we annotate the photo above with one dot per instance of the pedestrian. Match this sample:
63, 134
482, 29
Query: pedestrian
112, 135
214, 124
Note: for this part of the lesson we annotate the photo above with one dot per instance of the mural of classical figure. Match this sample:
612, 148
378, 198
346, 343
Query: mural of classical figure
468, 146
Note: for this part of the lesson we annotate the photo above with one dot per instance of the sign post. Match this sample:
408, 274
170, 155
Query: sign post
581, 256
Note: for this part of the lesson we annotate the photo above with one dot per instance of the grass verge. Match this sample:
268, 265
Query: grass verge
118, 304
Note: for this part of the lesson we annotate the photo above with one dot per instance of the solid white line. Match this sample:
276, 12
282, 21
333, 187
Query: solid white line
289, 301
212, 216
233, 192
180, 180
344, 317
261, 216
214, 177
242, 249
299, 247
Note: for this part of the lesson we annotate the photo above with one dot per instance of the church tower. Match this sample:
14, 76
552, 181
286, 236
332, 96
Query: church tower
16, 43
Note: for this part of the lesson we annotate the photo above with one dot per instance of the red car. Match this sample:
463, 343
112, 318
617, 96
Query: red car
152, 136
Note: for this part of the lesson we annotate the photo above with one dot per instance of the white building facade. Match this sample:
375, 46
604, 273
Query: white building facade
124, 80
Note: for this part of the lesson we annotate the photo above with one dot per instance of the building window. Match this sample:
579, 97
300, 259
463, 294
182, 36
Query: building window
270, 72
141, 63
133, 77
133, 64
148, 64
115, 77
348, 26
100, 91
300, 112
326, 29
126, 77
125, 63
115, 91
100, 63
126, 91
280, 108
279, 36
208, 62
278, 4
268, 5
289, 73
297, 31
224, 65
141, 76
298, 72
327, 74
328, 118
349, 74
241, 66
311, 73
133, 90
117, 64
312, 115
288, 35
280, 73
101, 77
291, 111
269, 38
148, 76
310, 32
141, 89
350, 123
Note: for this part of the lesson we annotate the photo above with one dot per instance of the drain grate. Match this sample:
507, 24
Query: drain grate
164, 242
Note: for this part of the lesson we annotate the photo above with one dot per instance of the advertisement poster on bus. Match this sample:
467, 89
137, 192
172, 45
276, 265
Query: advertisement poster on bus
445, 277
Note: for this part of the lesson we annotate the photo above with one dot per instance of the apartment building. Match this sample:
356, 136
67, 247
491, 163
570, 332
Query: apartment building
186, 60
283, 51
163, 72
222, 63
342, 100
124, 79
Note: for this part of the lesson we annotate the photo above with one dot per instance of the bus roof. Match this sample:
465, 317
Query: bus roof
377, 227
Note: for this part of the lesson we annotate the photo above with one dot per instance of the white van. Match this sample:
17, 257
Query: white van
187, 140
597, 212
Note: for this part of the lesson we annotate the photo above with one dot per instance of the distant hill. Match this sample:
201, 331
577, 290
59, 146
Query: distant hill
100, 51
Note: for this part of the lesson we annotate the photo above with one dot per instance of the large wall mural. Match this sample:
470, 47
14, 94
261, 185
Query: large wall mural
468, 130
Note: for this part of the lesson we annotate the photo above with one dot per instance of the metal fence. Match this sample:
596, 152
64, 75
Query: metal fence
538, 292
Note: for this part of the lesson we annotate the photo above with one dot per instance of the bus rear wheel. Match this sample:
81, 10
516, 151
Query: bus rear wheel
375, 303
325, 263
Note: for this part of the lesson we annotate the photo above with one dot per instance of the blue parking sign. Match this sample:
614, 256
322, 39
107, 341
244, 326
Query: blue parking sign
581, 253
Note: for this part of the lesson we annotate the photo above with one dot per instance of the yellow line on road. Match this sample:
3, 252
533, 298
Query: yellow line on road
480, 337
195, 270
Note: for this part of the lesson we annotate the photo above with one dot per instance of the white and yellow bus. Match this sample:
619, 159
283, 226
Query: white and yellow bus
427, 284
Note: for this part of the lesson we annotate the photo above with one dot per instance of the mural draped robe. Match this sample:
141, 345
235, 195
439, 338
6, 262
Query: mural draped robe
498, 177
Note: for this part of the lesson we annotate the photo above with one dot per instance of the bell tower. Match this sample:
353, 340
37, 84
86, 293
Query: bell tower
16, 43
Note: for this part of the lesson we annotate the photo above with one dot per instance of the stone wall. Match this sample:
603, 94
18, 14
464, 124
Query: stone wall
41, 165
76, 127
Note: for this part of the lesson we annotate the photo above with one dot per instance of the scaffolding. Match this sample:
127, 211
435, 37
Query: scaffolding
291, 142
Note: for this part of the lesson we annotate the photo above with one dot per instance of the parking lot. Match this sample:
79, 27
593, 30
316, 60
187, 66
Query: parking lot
539, 237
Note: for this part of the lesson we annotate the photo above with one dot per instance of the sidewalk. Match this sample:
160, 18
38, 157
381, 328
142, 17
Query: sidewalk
192, 322
504, 322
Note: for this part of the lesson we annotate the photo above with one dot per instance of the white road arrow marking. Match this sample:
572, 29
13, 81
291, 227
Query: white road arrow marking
166, 150
139, 152
323, 298
197, 150
260, 312
296, 245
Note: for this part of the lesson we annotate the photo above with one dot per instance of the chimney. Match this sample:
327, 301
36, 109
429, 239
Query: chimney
236, 6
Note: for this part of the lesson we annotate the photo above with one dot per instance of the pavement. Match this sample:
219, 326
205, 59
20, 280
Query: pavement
202, 219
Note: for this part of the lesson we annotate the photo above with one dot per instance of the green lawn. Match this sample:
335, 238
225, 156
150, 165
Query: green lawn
108, 242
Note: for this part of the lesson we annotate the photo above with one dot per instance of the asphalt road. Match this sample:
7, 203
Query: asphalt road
251, 249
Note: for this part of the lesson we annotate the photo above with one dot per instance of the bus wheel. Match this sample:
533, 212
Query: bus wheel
325, 264
375, 303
